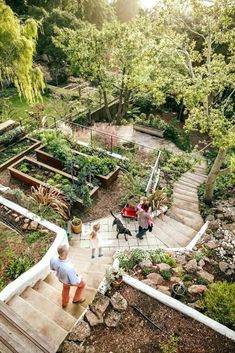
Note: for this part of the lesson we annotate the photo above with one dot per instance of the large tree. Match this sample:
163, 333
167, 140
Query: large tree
17, 47
200, 38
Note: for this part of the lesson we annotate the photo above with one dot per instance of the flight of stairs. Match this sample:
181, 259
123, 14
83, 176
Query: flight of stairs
185, 203
41, 305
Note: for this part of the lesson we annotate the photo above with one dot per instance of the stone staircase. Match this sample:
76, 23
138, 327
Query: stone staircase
181, 223
185, 204
41, 305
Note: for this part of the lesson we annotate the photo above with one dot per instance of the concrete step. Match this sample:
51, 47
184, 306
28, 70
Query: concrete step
191, 206
45, 306
165, 238
93, 279
182, 196
191, 219
186, 185
172, 231
88, 292
188, 231
189, 181
38, 321
194, 176
185, 191
55, 296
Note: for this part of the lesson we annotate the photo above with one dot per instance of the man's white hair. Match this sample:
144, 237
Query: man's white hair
62, 249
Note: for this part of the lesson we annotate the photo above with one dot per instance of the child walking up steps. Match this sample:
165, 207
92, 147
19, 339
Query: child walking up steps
96, 241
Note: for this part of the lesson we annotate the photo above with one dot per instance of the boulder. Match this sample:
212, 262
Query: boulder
112, 318
93, 319
164, 290
214, 225
181, 260
71, 347
33, 225
210, 218
197, 288
191, 266
211, 245
99, 305
118, 302
148, 282
201, 263
146, 263
175, 279
163, 266
223, 266
80, 332
176, 271
155, 278
206, 275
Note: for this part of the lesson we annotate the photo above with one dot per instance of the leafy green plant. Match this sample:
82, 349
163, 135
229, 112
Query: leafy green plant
165, 274
19, 265
171, 345
2, 283
187, 278
33, 236
198, 255
202, 281
112, 274
24, 167
220, 302
146, 271
128, 259
156, 256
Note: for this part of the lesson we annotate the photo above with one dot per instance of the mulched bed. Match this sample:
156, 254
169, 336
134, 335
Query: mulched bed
136, 335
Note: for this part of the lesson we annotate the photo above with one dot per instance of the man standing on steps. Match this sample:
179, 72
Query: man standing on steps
67, 275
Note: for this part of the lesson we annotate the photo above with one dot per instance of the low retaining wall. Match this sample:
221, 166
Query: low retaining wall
42, 268
177, 305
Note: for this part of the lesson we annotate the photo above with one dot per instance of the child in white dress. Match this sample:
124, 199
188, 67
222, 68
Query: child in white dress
96, 241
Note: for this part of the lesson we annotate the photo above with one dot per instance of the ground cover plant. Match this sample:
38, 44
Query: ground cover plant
14, 149
20, 251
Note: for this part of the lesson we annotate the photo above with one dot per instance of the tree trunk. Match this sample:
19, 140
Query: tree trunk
125, 107
106, 104
120, 105
210, 184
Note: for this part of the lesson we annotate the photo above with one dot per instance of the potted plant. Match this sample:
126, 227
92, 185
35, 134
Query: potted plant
178, 290
76, 225
113, 276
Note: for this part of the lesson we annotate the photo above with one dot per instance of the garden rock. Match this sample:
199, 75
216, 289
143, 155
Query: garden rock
164, 290
175, 279
211, 245
201, 263
112, 319
90, 350
33, 225
146, 263
191, 266
155, 278
214, 225
206, 275
80, 332
25, 226
176, 271
93, 319
210, 218
71, 347
181, 260
163, 267
197, 288
99, 305
148, 282
118, 302
223, 266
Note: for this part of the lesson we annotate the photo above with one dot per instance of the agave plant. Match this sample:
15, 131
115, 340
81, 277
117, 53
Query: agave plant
158, 199
53, 198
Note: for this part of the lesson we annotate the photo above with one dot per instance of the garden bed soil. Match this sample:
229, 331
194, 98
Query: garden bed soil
47, 158
27, 144
42, 168
135, 334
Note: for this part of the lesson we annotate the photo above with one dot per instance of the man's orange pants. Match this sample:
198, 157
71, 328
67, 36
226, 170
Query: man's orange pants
77, 295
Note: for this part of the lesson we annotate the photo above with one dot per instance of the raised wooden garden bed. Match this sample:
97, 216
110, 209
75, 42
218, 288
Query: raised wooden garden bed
149, 130
33, 181
15, 158
48, 159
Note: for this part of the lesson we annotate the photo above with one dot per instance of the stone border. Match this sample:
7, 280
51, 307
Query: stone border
42, 268
177, 305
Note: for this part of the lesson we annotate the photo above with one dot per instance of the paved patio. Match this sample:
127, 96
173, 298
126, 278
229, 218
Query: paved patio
108, 234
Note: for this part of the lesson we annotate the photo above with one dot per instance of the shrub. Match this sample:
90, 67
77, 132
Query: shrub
187, 278
128, 259
220, 302
202, 281
19, 265
156, 256
198, 255
165, 274
179, 137
33, 236
147, 271
169, 261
